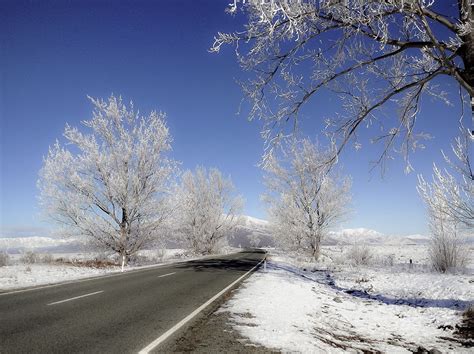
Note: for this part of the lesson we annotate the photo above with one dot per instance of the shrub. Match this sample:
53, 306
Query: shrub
386, 260
360, 254
161, 253
90, 263
390, 260
47, 258
137, 259
469, 313
4, 259
465, 329
447, 252
29, 257
63, 260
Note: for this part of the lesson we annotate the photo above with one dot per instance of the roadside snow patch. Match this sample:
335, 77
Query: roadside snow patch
394, 309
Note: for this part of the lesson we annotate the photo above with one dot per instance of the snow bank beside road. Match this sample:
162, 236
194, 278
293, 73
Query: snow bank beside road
22, 276
350, 309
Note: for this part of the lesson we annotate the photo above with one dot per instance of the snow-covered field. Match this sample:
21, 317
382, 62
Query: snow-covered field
63, 267
386, 306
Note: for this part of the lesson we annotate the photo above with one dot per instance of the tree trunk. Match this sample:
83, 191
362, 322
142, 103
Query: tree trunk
315, 245
124, 237
466, 15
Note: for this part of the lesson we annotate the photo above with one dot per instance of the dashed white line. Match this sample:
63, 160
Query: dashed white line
189, 317
74, 298
165, 275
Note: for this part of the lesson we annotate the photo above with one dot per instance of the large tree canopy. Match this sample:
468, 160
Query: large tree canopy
306, 197
371, 53
110, 184
208, 210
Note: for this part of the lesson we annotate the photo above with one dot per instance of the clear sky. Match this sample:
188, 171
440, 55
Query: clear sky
55, 53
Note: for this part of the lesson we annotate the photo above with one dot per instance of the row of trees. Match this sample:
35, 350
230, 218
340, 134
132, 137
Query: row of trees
307, 197
117, 186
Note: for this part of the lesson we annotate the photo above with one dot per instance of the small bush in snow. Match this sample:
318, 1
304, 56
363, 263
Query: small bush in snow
4, 259
63, 260
30, 257
447, 252
360, 255
469, 313
160, 254
387, 260
138, 260
47, 258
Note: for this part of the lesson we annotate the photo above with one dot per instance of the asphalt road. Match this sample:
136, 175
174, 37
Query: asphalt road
117, 314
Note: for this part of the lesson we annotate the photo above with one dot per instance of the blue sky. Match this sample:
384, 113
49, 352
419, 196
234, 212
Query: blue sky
55, 53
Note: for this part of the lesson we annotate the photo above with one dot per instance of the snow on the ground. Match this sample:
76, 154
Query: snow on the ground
63, 267
22, 275
335, 306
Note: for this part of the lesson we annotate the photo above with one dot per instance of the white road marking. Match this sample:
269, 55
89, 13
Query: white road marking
189, 317
74, 298
165, 275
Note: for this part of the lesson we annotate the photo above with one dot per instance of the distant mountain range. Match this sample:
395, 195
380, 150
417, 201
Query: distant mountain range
252, 232
371, 237
39, 244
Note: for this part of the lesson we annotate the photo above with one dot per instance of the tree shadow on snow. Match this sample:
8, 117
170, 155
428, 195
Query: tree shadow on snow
324, 277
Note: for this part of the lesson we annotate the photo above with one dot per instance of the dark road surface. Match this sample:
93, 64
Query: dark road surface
118, 314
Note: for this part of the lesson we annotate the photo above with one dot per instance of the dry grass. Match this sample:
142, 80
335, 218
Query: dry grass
89, 263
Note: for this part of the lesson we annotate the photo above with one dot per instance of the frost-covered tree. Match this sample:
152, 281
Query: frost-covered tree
110, 184
254, 240
447, 248
208, 210
379, 57
306, 197
449, 199
452, 190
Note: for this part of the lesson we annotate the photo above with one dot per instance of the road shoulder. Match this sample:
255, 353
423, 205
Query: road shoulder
213, 333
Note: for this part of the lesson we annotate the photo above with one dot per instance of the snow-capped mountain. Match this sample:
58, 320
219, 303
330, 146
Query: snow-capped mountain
252, 232
250, 221
351, 236
372, 237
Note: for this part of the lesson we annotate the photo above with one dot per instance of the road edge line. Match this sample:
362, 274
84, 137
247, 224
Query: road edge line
193, 314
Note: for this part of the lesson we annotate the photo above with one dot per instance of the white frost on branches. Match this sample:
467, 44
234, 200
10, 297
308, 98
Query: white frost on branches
453, 195
110, 184
207, 210
379, 57
450, 202
306, 197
